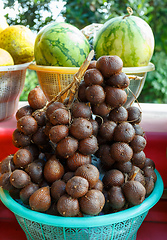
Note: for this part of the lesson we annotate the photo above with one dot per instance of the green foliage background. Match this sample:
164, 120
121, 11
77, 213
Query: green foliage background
85, 12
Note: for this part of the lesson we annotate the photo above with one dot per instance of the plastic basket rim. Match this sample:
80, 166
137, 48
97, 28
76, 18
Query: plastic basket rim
15, 67
73, 70
90, 221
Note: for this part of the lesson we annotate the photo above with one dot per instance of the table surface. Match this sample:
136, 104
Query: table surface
154, 123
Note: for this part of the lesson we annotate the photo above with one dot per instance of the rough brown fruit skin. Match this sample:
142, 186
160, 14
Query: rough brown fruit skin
101, 109
107, 130
105, 156
109, 65
77, 160
95, 94
40, 200
58, 188
68, 206
116, 198
134, 114
53, 170
58, 132
27, 125
27, 191
40, 117
95, 126
40, 138
99, 185
81, 91
20, 140
5, 181
149, 185
134, 192
80, 109
138, 143
124, 132
149, 172
35, 170
36, 98
7, 165
118, 115
121, 152
22, 157
90, 172
93, 77
77, 186
24, 111
88, 145
52, 107
19, 178
119, 80
113, 177
139, 159
67, 147
60, 116
115, 97
81, 128
92, 203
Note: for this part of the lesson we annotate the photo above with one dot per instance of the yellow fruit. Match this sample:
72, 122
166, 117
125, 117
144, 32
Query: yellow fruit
3, 23
5, 58
18, 40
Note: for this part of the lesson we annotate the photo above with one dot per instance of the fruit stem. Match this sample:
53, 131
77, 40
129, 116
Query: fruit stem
130, 12
134, 174
73, 91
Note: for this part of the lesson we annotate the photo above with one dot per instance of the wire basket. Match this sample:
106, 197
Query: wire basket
137, 77
116, 226
12, 79
54, 79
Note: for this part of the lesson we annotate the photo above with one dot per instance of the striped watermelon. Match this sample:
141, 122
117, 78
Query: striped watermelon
61, 44
130, 38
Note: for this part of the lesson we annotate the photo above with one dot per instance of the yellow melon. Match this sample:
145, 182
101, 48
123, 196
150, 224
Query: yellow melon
3, 23
5, 58
18, 40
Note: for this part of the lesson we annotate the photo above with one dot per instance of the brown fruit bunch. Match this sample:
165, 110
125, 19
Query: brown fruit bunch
95, 94
40, 200
77, 160
22, 158
134, 192
115, 97
93, 77
113, 177
27, 125
68, 206
67, 147
36, 98
53, 169
109, 65
19, 178
92, 202
80, 110
90, 172
81, 128
77, 186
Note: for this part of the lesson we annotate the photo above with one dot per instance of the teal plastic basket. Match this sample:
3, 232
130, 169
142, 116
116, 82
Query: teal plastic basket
121, 225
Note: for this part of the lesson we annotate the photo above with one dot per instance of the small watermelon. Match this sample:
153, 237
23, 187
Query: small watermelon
128, 37
61, 44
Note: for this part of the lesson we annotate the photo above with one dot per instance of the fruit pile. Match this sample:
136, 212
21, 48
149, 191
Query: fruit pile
54, 169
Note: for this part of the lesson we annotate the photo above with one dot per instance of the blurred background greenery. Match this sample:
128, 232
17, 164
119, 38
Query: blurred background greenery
37, 13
